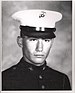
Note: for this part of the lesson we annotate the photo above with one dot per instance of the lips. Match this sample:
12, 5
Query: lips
39, 55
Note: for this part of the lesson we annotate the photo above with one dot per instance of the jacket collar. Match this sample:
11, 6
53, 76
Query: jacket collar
32, 67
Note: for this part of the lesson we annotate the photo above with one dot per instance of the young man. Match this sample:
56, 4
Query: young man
36, 39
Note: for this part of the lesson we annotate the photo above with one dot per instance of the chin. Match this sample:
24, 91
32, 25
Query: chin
39, 61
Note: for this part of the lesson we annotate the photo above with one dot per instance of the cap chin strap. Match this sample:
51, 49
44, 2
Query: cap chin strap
30, 29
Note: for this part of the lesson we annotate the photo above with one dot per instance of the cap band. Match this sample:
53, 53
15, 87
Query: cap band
32, 32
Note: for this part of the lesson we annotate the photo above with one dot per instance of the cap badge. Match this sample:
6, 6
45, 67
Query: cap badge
42, 14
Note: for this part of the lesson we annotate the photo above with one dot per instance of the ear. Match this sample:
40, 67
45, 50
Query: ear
19, 41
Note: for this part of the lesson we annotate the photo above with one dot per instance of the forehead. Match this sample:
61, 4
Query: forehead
33, 37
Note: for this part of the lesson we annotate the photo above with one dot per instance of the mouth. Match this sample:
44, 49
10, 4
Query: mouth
39, 56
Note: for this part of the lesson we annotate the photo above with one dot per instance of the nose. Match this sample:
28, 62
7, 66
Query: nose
39, 46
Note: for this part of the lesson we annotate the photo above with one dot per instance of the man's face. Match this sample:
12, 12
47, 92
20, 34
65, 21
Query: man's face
36, 50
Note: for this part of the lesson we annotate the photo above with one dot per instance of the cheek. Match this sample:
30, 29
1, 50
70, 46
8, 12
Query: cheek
29, 47
47, 47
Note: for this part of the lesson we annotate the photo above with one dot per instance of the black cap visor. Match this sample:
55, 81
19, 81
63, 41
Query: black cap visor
31, 32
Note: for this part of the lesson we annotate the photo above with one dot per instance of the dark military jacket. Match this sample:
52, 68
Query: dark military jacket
25, 76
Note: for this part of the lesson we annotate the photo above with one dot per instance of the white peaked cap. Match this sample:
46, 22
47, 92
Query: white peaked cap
38, 18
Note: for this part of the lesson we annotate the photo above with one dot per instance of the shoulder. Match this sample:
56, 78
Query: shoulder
13, 69
55, 73
60, 79
10, 71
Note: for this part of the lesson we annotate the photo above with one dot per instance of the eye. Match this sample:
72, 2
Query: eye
32, 39
47, 40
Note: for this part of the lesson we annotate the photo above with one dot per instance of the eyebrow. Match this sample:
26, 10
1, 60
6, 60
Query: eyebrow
39, 38
30, 37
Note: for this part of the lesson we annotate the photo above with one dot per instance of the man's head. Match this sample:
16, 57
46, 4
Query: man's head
37, 33
35, 50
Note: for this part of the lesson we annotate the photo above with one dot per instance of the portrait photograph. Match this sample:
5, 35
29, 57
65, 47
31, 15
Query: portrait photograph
37, 42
